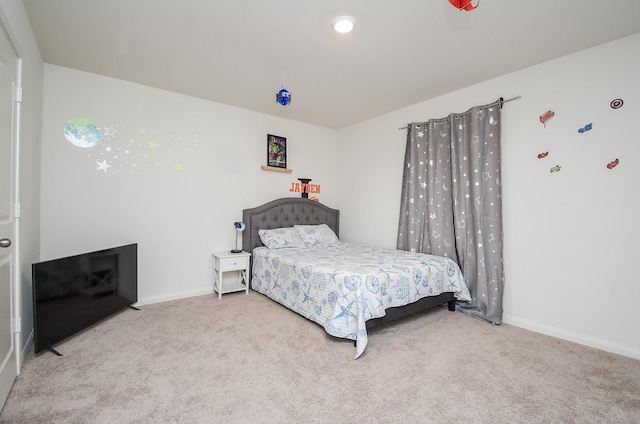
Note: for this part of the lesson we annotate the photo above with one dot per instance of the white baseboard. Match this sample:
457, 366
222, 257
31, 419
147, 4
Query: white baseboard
582, 339
26, 348
172, 296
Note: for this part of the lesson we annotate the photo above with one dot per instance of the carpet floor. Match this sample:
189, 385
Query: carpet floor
246, 359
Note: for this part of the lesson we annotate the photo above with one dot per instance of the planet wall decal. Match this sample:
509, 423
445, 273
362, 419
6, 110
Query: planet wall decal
82, 132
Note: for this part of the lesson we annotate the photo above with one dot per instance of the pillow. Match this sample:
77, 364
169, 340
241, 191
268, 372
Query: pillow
317, 235
279, 238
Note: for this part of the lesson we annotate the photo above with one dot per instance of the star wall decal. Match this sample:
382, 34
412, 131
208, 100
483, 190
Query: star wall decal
118, 149
102, 166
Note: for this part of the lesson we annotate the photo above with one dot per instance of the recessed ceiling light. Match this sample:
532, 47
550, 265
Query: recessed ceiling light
344, 24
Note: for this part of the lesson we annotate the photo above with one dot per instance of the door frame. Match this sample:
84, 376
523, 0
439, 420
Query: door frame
16, 134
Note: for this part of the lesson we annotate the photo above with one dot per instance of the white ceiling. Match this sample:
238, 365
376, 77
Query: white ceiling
400, 53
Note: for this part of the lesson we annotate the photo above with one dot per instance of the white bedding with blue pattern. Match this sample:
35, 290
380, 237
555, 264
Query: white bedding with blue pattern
344, 285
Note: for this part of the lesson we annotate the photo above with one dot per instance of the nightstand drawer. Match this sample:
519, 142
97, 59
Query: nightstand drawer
233, 264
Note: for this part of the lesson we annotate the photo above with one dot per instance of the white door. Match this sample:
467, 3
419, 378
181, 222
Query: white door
8, 350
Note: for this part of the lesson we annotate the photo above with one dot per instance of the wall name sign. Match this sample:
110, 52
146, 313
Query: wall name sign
304, 188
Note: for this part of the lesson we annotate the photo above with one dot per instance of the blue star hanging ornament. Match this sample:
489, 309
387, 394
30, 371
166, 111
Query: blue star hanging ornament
283, 97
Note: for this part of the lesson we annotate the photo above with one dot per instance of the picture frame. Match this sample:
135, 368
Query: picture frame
276, 151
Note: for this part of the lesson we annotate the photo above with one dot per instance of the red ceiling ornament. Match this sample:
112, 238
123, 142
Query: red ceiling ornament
464, 4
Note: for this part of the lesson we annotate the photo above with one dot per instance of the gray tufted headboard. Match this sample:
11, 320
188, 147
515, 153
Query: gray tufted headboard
285, 212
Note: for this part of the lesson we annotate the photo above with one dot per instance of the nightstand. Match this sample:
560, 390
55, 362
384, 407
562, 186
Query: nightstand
226, 261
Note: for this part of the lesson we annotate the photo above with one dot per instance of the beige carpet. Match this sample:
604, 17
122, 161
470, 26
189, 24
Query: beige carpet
245, 359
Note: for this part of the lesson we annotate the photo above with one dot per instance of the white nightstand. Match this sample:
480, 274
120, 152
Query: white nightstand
226, 261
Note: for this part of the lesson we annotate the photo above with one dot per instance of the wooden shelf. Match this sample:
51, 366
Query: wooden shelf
273, 168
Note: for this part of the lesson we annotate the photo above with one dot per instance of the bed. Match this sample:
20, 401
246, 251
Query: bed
344, 287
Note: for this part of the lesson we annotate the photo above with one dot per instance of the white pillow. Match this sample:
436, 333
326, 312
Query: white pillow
317, 235
279, 238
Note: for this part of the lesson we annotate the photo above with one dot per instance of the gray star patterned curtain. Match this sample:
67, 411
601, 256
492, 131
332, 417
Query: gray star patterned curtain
451, 201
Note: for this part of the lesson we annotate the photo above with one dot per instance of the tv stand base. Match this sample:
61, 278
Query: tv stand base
52, 350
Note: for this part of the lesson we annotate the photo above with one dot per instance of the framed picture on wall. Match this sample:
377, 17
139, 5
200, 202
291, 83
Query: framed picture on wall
276, 151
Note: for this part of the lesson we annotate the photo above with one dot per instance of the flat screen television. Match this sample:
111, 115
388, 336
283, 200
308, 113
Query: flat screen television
73, 293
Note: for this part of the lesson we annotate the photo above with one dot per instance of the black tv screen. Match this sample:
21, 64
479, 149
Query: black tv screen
73, 293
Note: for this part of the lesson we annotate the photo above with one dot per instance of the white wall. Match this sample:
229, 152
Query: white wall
570, 238
29, 164
178, 216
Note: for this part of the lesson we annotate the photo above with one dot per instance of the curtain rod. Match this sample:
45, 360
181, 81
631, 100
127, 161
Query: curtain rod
499, 102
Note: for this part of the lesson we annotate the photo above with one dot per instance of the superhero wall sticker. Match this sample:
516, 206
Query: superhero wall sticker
548, 115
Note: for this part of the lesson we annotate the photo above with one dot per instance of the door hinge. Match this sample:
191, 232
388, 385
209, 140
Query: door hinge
17, 211
17, 94
16, 325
